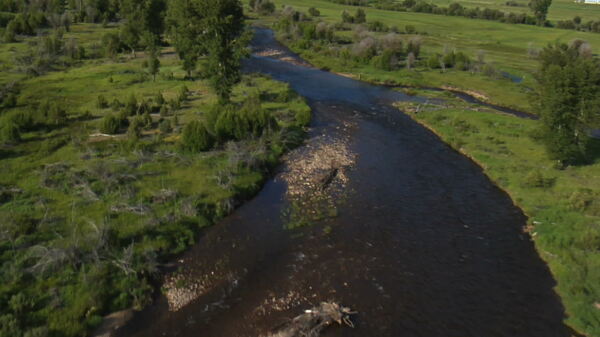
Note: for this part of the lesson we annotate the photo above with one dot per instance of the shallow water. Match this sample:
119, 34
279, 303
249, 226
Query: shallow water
407, 232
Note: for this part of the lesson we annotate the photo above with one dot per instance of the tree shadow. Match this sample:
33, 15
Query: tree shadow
594, 150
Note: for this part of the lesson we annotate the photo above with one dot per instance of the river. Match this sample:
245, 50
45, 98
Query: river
404, 230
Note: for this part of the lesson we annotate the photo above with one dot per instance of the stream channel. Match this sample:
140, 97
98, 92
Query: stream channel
404, 230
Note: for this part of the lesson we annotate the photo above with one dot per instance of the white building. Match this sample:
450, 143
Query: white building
595, 2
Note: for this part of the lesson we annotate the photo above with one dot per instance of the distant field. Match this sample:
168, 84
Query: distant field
505, 47
560, 9
504, 43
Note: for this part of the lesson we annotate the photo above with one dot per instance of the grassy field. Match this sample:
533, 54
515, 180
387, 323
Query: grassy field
563, 205
559, 10
505, 47
86, 219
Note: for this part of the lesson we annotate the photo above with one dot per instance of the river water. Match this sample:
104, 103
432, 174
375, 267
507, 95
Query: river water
404, 230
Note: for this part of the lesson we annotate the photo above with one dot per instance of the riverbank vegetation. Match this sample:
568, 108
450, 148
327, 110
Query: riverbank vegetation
114, 156
502, 56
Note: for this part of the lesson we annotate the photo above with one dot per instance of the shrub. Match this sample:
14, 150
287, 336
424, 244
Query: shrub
10, 101
535, 179
115, 105
9, 133
134, 132
110, 124
196, 138
449, 59
360, 16
365, 49
159, 99
433, 61
314, 12
56, 114
386, 61
414, 46
143, 108
165, 126
346, 17
131, 105
102, 103
233, 123
147, 120
410, 29
393, 42
183, 94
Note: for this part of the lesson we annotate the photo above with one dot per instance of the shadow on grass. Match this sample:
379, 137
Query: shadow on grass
594, 150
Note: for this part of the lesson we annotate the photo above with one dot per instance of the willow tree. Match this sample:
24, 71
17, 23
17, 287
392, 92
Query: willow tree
215, 30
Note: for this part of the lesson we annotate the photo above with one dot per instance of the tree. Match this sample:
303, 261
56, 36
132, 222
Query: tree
184, 26
153, 61
130, 35
214, 29
540, 10
568, 101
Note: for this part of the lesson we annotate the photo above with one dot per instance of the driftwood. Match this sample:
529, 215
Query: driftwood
313, 321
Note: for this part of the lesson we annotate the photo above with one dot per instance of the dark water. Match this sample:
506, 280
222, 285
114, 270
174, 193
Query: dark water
417, 239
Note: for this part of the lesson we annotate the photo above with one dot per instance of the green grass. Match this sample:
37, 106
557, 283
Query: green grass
563, 205
560, 9
505, 46
88, 203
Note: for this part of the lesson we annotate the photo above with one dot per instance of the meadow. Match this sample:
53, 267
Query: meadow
87, 218
505, 46
559, 10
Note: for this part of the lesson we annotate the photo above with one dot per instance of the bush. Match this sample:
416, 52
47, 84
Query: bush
134, 132
102, 103
386, 61
360, 16
410, 29
56, 114
9, 133
165, 126
535, 179
183, 94
147, 120
196, 138
111, 124
10, 101
115, 105
314, 12
159, 99
433, 61
131, 107
234, 123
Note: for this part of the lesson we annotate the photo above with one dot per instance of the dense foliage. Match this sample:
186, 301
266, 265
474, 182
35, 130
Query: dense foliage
568, 97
